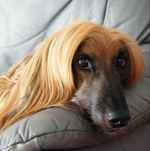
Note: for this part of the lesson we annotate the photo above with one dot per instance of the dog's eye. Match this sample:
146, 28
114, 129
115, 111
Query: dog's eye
85, 62
121, 60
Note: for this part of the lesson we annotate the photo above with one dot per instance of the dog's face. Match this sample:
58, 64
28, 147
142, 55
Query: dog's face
100, 80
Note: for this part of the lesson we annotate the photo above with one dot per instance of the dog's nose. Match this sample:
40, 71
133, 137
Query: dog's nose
118, 120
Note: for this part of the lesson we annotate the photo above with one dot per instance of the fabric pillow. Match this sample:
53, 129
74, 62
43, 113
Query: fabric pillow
53, 128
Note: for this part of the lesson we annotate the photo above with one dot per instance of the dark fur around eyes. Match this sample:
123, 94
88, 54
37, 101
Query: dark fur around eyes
85, 58
123, 70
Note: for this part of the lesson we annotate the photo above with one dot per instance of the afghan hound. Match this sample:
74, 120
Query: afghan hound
85, 64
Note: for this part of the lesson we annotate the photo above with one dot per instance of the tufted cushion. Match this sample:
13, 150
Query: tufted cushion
53, 128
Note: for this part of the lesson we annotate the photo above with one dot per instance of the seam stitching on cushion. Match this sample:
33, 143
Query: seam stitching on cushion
106, 8
44, 134
57, 14
140, 37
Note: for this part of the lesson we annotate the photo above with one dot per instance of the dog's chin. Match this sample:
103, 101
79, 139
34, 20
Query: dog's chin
105, 128
115, 131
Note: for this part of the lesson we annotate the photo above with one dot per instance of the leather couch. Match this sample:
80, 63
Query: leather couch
23, 24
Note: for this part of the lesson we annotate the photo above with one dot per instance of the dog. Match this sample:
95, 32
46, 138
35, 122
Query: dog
85, 64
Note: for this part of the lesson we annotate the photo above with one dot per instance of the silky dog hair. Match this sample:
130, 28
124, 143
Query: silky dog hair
47, 77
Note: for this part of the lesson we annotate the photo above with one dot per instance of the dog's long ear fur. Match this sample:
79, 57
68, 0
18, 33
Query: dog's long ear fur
45, 78
135, 54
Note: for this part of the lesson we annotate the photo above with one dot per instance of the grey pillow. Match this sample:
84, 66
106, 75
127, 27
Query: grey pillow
138, 97
53, 128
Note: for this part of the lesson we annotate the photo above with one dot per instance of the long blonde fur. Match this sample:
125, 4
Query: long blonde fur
45, 78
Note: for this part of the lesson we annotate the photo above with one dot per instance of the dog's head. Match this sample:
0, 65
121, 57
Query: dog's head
102, 72
93, 66
84, 63
105, 63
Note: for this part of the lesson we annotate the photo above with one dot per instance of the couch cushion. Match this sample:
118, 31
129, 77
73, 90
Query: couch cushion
52, 128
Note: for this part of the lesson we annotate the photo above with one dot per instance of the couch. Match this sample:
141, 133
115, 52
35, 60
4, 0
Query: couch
23, 24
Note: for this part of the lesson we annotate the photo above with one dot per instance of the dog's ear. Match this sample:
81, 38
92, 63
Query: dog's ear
135, 55
136, 60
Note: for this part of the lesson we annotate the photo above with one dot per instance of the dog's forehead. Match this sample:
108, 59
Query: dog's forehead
96, 48
103, 46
